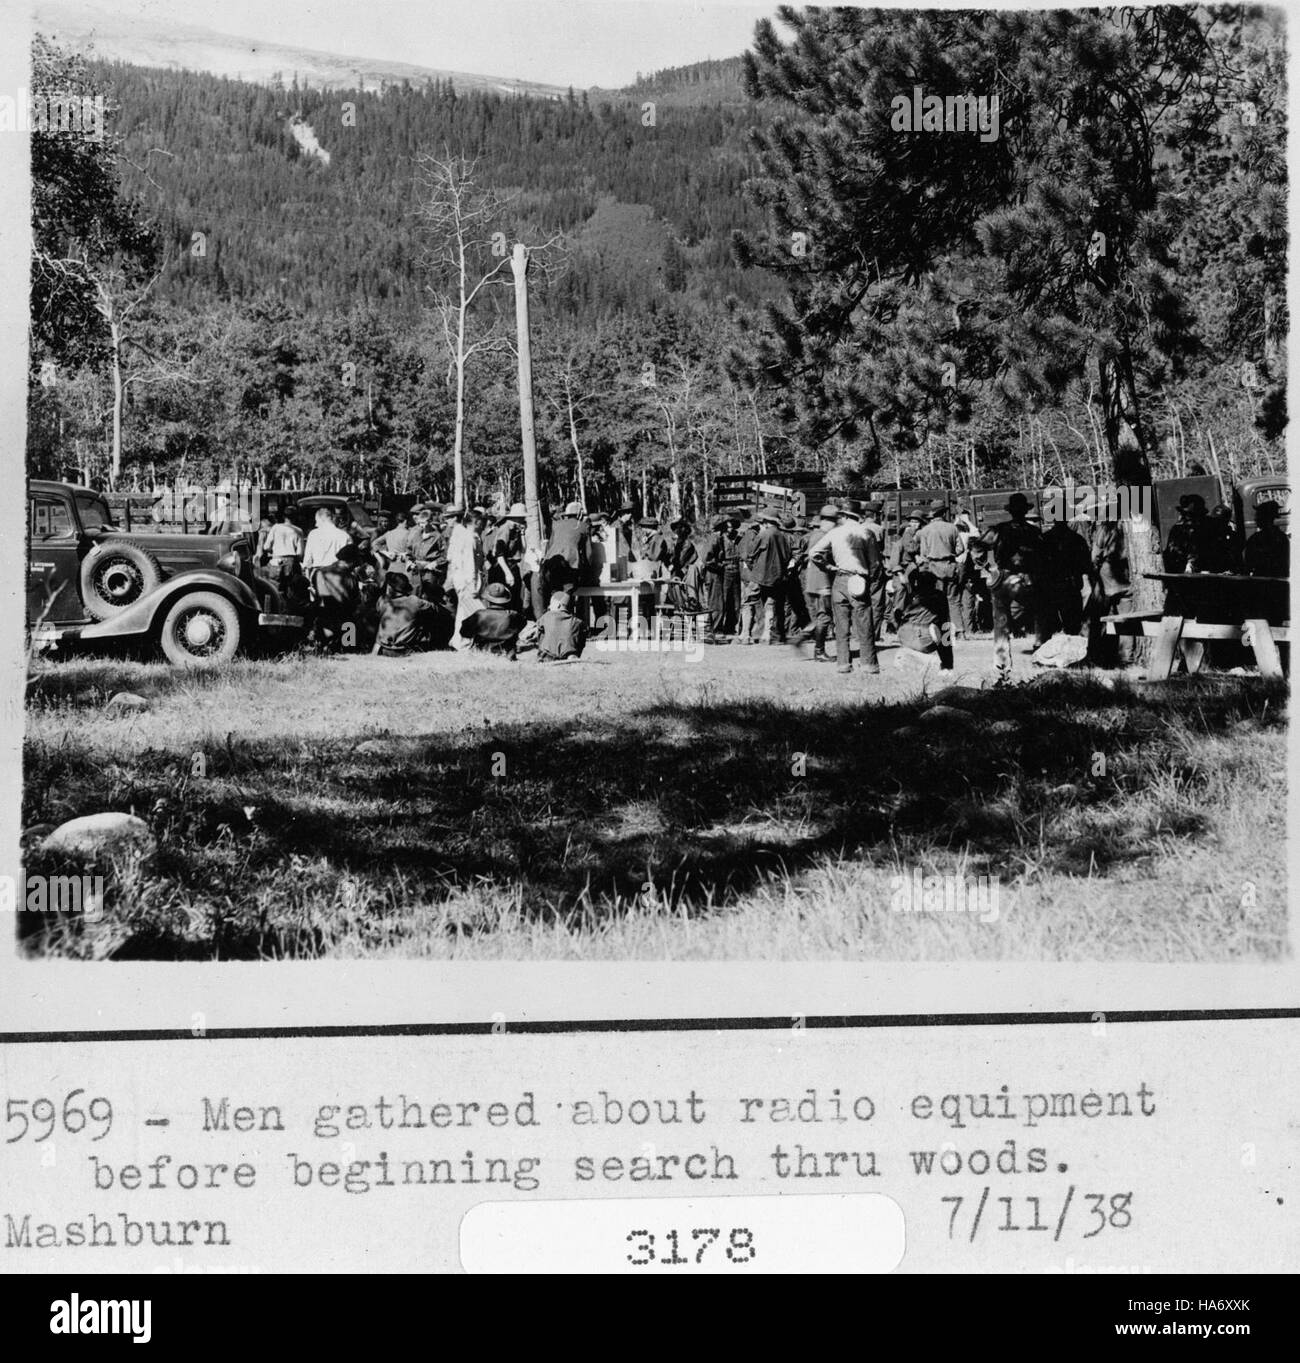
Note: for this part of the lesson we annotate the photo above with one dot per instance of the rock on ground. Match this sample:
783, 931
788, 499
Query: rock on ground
126, 700
95, 835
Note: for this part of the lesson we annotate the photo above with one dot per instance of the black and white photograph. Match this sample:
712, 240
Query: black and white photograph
651, 482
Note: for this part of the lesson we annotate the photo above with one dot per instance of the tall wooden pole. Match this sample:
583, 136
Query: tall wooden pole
532, 504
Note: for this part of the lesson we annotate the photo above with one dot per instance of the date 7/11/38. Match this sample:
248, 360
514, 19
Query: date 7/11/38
1027, 1213
683, 1247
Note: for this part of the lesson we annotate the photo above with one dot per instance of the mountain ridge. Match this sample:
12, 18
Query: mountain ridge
139, 42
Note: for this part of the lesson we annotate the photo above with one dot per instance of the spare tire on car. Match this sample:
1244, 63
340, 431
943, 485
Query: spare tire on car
115, 575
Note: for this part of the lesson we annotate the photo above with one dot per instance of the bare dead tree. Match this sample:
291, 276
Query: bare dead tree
467, 252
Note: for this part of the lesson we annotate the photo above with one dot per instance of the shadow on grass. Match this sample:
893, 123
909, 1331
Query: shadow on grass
682, 805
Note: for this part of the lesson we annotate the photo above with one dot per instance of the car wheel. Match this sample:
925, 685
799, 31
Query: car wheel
201, 630
116, 575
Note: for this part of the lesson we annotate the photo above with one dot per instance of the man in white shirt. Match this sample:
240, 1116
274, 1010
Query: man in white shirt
333, 587
324, 543
851, 555
282, 542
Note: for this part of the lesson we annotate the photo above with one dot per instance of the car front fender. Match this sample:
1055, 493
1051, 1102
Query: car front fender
142, 615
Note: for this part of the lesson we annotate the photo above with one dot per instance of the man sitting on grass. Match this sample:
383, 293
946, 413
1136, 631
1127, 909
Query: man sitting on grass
407, 623
561, 635
494, 627
922, 620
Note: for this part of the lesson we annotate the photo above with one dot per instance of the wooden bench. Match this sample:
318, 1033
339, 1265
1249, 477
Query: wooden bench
1175, 633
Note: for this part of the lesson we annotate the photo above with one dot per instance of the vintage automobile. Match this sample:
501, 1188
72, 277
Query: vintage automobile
195, 597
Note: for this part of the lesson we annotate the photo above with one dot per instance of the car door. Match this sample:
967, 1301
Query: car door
53, 561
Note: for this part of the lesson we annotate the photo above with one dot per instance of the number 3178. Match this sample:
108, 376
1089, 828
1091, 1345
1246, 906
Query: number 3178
739, 1245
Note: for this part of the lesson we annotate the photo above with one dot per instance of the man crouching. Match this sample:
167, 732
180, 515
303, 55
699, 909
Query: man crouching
407, 623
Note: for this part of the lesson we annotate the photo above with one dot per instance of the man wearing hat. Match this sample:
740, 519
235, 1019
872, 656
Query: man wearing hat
938, 546
903, 554
1188, 547
493, 627
425, 557
793, 606
1268, 550
648, 541
817, 584
567, 555
765, 564
680, 560
503, 552
851, 558
723, 565
1008, 552
855, 510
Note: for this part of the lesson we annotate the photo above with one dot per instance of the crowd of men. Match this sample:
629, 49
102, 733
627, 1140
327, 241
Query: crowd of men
462, 577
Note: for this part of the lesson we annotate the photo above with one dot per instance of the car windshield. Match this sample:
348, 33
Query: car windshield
93, 511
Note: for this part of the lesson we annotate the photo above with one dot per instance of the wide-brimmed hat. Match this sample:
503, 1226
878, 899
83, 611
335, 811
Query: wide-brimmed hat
1268, 510
572, 509
829, 512
423, 506
917, 515
873, 508
517, 512
497, 594
1017, 503
852, 506
453, 509
939, 507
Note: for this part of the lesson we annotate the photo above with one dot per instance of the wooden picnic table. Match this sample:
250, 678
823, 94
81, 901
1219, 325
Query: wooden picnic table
1247, 602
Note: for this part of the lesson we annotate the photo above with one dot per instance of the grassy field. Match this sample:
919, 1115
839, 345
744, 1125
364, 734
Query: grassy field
744, 805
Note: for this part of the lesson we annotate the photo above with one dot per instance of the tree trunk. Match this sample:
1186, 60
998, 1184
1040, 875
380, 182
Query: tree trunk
1130, 467
115, 463
573, 440
532, 502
